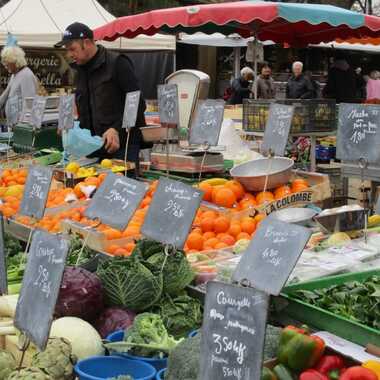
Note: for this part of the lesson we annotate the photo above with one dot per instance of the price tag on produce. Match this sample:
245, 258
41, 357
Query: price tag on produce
66, 112
13, 110
277, 129
272, 255
38, 110
168, 104
171, 212
208, 119
116, 201
36, 191
131, 108
3, 262
233, 332
358, 135
40, 286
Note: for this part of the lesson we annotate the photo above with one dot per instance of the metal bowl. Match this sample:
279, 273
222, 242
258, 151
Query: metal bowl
252, 174
296, 215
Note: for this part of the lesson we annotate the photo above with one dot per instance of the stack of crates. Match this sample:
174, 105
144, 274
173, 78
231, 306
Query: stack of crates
311, 115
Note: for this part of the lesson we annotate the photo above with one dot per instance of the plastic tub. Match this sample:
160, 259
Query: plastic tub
160, 375
105, 367
118, 336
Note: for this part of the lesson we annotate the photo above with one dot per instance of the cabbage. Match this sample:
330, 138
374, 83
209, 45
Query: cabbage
130, 283
113, 319
80, 295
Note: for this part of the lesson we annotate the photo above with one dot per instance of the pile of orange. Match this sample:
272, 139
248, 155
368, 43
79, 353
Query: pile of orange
11, 177
213, 230
232, 194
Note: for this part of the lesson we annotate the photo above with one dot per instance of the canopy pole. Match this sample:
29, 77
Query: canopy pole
237, 51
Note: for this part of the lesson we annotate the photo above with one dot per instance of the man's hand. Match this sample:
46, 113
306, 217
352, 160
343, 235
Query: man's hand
111, 140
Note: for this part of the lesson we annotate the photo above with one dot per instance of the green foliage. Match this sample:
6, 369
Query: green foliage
130, 283
357, 301
76, 244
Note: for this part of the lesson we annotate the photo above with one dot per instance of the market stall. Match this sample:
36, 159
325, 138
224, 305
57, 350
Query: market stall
110, 277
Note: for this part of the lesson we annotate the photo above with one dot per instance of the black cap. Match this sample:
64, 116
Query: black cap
75, 31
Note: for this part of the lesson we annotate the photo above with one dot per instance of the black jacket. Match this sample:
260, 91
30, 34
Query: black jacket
240, 90
101, 87
299, 88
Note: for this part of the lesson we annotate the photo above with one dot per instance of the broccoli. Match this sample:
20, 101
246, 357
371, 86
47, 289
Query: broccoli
146, 337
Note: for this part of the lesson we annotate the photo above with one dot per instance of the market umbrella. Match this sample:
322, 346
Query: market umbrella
291, 23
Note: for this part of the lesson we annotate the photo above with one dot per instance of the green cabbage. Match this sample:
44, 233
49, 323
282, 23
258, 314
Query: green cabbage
130, 283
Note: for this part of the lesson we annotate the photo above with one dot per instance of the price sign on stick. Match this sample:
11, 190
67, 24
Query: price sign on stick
168, 103
40, 286
38, 109
3, 266
66, 112
233, 332
36, 191
272, 255
131, 108
277, 129
358, 135
13, 110
171, 212
206, 125
116, 200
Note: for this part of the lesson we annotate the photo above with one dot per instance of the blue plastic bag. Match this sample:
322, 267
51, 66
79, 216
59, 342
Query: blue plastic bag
79, 142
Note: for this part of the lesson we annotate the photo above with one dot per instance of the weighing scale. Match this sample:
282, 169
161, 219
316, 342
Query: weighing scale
193, 86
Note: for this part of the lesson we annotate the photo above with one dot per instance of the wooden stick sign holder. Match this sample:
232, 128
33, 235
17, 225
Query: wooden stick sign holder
363, 164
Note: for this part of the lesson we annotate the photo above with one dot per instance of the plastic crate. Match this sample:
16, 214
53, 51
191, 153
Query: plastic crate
315, 115
325, 320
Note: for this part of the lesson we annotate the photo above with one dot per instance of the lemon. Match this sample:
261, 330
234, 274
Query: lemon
14, 191
106, 164
72, 167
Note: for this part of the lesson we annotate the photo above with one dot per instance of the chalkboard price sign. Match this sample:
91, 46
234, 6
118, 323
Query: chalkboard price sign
272, 255
277, 129
13, 110
40, 286
233, 332
168, 104
3, 265
36, 191
38, 109
132, 101
171, 212
358, 133
206, 125
116, 200
66, 112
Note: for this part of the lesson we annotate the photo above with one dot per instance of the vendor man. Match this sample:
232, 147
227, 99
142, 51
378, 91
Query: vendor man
103, 79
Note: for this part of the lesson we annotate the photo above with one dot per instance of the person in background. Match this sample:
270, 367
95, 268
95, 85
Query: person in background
316, 86
241, 87
265, 84
298, 86
360, 84
22, 83
373, 85
103, 79
341, 82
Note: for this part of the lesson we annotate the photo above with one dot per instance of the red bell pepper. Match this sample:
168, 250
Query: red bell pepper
331, 365
358, 373
312, 374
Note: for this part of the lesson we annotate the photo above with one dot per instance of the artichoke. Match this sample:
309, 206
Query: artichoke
7, 364
57, 359
29, 374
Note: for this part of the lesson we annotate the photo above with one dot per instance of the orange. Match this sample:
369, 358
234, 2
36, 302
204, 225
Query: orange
247, 203
94, 181
207, 224
258, 218
248, 225
207, 189
237, 188
210, 243
209, 214
234, 230
221, 245
282, 192
77, 189
21, 180
249, 196
215, 190
208, 235
228, 239
195, 241
197, 230
264, 196
299, 187
221, 224
300, 181
225, 197
243, 236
